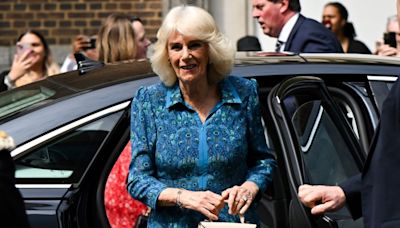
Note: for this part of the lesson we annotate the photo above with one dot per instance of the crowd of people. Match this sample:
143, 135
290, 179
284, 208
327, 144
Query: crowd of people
176, 173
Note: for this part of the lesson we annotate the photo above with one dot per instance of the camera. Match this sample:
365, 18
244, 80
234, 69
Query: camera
390, 39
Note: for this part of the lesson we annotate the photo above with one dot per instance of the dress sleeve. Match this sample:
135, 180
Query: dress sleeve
260, 159
142, 184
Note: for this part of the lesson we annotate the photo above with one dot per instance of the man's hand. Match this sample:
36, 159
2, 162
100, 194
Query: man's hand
322, 199
386, 50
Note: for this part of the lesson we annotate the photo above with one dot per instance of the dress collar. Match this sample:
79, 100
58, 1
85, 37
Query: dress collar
229, 94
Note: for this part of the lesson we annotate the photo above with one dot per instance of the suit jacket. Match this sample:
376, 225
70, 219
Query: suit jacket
310, 36
375, 193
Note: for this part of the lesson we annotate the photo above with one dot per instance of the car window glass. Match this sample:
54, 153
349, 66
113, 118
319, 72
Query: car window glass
19, 99
66, 157
325, 152
326, 155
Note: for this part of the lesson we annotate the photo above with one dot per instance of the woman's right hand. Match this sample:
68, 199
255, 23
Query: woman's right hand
21, 64
206, 202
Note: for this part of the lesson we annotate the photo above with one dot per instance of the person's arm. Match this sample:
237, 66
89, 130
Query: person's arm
142, 184
260, 161
352, 189
206, 202
79, 44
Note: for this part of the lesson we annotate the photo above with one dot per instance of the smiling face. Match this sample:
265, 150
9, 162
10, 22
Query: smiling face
188, 57
32, 43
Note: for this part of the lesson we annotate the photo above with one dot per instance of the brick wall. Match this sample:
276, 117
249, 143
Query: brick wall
61, 20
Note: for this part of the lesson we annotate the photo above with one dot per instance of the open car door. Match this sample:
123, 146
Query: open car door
314, 144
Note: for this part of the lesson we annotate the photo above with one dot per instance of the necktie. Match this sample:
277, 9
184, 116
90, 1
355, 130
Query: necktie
278, 45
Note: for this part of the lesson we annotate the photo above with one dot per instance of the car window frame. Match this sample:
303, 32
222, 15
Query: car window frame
290, 154
25, 148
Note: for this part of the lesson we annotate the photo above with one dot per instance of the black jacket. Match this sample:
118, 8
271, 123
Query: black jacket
375, 194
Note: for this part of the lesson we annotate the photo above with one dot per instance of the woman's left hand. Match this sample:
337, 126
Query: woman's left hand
240, 197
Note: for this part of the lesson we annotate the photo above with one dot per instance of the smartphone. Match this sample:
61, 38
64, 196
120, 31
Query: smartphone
92, 43
23, 47
390, 39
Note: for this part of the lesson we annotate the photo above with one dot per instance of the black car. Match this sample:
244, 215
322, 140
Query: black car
319, 112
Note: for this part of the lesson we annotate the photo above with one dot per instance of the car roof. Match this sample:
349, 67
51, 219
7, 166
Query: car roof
253, 64
245, 58
104, 76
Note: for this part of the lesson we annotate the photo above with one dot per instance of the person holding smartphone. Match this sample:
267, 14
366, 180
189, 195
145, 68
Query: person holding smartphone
83, 44
32, 61
390, 44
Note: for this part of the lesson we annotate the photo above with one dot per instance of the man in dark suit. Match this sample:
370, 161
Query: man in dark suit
373, 194
295, 33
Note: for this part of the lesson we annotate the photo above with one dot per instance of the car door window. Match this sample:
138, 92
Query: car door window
66, 157
319, 146
327, 158
325, 152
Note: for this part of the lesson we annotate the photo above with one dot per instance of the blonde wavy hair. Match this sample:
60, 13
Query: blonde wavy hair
116, 39
195, 22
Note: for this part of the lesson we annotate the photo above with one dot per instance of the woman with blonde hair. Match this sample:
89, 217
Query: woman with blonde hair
116, 39
197, 138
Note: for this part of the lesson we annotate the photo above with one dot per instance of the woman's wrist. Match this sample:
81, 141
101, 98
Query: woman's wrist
9, 82
178, 198
252, 187
171, 197
14, 76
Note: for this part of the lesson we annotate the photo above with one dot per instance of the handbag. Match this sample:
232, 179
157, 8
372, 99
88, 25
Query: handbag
141, 222
207, 224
